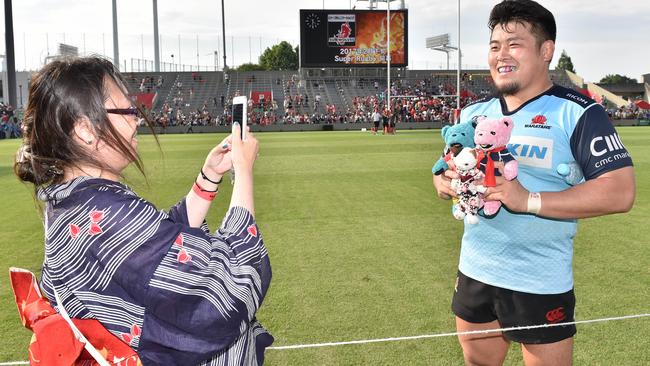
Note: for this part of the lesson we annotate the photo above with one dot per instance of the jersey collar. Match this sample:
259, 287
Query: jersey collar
504, 106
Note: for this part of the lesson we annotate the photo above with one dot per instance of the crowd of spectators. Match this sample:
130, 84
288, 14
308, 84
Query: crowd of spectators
147, 84
10, 124
425, 99
421, 100
630, 111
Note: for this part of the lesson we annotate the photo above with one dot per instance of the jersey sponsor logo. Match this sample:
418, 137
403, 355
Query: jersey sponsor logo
533, 151
539, 121
556, 315
610, 159
577, 98
601, 145
609, 144
475, 118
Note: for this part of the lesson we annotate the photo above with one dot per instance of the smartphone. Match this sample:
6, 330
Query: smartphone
240, 113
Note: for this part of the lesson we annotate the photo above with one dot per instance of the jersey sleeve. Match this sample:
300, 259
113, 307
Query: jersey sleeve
596, 145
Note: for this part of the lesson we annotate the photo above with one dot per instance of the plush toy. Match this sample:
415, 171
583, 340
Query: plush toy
491, 137
571, 172
469, 198
456, 137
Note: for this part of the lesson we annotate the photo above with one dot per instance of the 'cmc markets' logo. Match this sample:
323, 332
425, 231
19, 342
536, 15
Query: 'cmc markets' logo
604, 144
539, 121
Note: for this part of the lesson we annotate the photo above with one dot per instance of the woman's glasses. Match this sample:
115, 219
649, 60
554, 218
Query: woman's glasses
127, 112
124, 111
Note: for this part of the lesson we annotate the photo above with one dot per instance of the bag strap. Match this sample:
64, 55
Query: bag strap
87, 345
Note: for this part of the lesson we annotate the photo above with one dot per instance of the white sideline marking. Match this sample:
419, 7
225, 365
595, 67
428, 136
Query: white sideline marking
331, 344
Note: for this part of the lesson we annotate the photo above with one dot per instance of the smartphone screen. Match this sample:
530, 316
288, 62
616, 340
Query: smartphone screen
238, 116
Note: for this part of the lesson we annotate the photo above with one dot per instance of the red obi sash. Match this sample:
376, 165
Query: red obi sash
53, 341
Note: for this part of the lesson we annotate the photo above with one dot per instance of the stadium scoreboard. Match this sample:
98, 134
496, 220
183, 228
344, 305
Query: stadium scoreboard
351, 38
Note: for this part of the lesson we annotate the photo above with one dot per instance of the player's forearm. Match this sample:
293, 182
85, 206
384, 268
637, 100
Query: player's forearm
608, 194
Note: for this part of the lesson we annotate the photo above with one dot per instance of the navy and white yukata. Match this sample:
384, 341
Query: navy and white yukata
177, 295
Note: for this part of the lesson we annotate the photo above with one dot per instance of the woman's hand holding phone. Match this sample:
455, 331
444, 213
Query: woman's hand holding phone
244, 152
219, 159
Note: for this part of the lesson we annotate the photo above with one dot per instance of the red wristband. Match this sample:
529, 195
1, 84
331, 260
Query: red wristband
206, 195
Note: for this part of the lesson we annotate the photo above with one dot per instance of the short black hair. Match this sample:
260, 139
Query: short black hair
541, 20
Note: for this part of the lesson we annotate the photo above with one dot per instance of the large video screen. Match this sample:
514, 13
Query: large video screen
350, 38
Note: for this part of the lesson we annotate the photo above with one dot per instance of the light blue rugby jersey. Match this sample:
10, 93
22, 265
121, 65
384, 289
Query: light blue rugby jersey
523, 252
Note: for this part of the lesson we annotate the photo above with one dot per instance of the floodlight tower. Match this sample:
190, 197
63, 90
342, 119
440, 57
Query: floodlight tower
441, 43
458, 71
223, 29
156, 39
116, 48
10, 58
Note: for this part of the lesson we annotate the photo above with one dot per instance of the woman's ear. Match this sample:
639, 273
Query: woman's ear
85, 131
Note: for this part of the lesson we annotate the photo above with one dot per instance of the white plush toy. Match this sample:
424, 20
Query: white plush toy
469, 194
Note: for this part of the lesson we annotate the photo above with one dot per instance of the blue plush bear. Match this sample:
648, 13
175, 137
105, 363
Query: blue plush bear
456, 138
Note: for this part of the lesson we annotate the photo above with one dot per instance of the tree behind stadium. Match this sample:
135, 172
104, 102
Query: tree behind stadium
617, 79
249, 67
280, 57
565, 63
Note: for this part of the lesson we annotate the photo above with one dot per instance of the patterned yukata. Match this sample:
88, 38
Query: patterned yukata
177, 295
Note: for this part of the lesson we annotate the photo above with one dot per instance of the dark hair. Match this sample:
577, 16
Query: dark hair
542, 22
61, 93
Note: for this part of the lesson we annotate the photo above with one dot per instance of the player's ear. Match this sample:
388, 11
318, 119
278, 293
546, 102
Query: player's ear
548, 49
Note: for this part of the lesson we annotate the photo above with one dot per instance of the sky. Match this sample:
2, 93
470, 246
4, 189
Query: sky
601, 37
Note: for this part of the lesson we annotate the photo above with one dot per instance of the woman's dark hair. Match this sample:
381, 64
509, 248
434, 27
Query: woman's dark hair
542, 22
60, 94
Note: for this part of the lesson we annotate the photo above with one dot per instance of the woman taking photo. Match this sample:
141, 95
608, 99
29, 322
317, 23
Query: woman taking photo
160, 281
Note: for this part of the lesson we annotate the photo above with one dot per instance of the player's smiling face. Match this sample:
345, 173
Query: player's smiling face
517, 61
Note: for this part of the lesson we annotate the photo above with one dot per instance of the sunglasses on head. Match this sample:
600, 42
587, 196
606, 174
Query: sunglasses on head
124, 111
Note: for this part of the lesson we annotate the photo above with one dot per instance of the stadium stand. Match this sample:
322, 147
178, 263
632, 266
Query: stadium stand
204, 98
304, 100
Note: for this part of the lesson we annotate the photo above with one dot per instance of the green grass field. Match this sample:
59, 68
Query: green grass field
361, 248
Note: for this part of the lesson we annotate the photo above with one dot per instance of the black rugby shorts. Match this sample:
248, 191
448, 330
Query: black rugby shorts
477, 302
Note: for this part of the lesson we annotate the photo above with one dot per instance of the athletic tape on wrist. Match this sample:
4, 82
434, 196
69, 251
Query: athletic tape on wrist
534, 203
